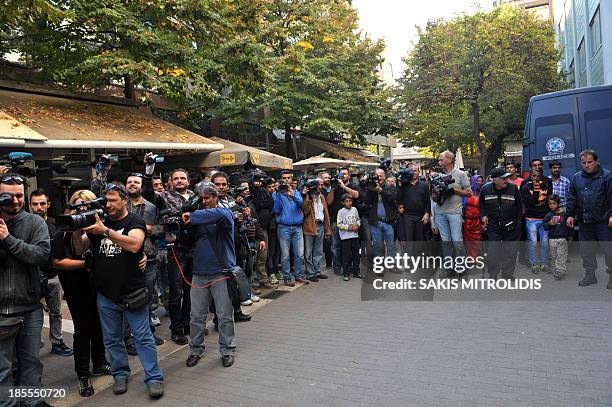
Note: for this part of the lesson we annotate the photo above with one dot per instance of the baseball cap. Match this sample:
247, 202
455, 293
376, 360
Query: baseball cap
499, 173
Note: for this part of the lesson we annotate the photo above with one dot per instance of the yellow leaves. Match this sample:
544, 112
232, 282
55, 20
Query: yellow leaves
306, 46
327, 39
174, 72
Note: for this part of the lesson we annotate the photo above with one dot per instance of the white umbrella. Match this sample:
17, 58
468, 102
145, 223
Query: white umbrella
458, 160
320, 162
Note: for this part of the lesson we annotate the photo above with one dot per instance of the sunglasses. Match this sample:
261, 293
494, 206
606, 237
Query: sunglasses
115, 187
136, 174
12, 179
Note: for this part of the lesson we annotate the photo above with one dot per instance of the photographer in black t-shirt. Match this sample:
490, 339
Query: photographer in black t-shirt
117, 245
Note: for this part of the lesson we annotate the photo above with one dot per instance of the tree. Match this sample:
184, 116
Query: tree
469, 80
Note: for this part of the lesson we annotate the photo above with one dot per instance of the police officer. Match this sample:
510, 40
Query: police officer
500, 211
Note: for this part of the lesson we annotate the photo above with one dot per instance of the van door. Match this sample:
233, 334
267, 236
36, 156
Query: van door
554, 125
596, 109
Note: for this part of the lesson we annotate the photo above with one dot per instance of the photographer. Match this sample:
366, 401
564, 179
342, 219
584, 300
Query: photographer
288, 209
363, 208
179, 258
339, 187
414, 194
316, 228
449, 209
263, 203
381, 199
212, 230
117, 246
39, 205
80, 296
24, 248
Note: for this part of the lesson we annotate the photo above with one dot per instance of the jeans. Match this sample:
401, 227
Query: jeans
450, 226
178, 298
291, 237
53, 299
162, 274
111, 317
313, 251
382, 235
336, 249
589, 234
365, 234
20, 356
200, 302
535, 228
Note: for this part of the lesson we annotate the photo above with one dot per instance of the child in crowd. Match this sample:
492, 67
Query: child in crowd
400, 229
348, 227
554, 222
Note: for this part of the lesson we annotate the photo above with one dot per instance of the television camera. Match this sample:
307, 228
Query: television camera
438, 187
85, 216
16, 162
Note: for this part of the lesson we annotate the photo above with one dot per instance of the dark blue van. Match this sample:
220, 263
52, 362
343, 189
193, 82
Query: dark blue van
562, 124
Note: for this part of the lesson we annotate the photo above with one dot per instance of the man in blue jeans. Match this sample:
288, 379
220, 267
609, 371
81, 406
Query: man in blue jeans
24, 247
449, 219
589, 204
117, 246
289, 218
381, 201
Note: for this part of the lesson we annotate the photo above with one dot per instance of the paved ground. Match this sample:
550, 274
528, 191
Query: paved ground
322, 345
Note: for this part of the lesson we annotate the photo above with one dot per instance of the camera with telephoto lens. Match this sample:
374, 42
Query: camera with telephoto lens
108, 159
246, 233
312, 185
85, 216
6, 199
406, 174
154, 158
371, 181
283, 188
16, 161
172, 220
438, 187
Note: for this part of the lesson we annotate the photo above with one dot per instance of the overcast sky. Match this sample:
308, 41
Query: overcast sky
395, 21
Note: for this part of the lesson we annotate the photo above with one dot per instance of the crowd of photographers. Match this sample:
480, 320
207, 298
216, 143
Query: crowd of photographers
123, 250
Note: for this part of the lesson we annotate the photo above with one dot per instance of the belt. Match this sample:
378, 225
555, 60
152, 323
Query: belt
385, 220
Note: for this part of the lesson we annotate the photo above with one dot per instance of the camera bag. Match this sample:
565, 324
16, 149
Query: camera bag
134, 301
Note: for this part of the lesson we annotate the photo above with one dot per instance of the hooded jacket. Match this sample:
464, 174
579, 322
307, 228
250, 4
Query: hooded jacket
216, 255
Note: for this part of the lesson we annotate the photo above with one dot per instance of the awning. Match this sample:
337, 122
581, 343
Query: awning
321, 163
238, 154
341, 152
32, 120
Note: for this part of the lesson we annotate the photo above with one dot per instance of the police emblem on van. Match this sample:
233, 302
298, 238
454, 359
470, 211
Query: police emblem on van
554, 148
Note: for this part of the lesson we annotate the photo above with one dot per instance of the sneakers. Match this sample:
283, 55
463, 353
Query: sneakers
85, 387
322, 276
102, 370
120, 385
179, 338
273, 279
193, 360
314, 279
302, 281
158, 341
289, 283
535, 269
544, 269
254, 298
155, 320
131, 349
240, 317
156, 390
346, 277
358, 275
247, 303
61, 349
227, 360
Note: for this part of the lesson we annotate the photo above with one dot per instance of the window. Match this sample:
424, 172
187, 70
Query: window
571, 74
581, 58
595, 31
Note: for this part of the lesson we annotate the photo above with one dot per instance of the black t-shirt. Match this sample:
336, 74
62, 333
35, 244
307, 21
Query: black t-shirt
116, 271
76, 284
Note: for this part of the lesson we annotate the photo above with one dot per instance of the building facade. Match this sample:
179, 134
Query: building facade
584, 34
542, 8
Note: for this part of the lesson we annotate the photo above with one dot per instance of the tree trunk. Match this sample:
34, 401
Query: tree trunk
288, 141
128, 88
495, 151
476, 135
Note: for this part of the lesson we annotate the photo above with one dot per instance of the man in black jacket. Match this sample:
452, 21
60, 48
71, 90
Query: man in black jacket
500, 211
589, 204
414, 194
263, 203
24, 248
382, 215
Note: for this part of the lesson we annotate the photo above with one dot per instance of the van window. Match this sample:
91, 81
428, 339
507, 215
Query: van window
555, 135
598, 137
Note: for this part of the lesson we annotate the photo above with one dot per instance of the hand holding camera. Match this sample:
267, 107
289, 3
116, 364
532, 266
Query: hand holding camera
97, 228
4, 232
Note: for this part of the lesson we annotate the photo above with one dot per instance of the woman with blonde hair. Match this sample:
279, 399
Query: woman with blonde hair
81, 299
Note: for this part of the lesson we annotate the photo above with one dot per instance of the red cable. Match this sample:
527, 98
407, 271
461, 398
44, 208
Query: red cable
187, 281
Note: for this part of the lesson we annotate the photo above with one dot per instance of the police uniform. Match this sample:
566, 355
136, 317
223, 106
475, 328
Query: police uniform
503, 207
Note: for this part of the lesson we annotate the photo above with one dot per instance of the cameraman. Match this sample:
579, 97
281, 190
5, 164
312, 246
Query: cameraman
24, 248
339, 187
179, 258
288, 209
263, 203
363, 208
117, 246
212, 229
317, 228
382, 214
414, 194
449, 219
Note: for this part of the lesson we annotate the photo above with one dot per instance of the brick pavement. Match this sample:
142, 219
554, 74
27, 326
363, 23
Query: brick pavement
321, 345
